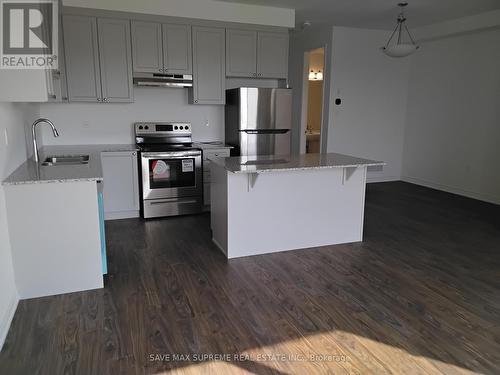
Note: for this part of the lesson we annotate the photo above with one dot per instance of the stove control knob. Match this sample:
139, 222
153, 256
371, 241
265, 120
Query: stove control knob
186, 127
140, 127
182, 127
176, 127
146, 127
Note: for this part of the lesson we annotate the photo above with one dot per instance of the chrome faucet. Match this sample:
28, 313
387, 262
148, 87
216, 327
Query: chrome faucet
33, 135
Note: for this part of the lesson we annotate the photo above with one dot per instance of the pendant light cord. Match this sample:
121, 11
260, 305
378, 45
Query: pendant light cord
399, 28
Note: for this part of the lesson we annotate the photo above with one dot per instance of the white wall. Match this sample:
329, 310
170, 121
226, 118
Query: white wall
453, 118
373, 87
204, 9
89, 123
13, 119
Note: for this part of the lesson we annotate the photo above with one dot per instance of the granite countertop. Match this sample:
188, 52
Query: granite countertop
31, 173
266, 164
211, 145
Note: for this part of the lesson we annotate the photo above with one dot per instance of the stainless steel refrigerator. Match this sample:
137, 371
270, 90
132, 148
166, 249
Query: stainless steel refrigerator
258, 121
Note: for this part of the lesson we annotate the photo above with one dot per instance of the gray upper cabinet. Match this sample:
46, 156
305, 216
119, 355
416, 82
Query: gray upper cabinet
98, 59
147, 47
272, 52
82, 58
256, 54
158, 48
177, 49
209, 66
241, 53
115, 58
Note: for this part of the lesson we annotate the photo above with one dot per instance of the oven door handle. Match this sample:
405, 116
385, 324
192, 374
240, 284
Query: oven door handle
170, 155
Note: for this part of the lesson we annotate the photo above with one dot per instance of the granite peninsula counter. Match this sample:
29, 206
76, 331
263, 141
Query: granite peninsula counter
267, 204
32, 173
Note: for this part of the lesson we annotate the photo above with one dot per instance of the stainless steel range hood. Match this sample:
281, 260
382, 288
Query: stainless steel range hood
163, 80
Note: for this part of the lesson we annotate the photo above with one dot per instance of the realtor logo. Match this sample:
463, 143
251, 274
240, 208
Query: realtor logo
29, 34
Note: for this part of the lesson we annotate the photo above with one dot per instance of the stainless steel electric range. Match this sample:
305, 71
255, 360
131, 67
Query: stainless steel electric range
170, 169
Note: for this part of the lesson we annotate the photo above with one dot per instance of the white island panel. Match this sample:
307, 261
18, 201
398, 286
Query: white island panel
258, 213
54, 231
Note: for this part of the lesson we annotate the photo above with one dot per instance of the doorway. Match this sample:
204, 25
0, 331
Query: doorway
312, 101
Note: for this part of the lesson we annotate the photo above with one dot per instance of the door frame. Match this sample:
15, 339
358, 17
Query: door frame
305, 98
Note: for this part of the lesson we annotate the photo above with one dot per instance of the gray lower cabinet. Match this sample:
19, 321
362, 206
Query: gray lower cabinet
207, 154
209, 66
259, 54
161, 48
98, 59
121, 184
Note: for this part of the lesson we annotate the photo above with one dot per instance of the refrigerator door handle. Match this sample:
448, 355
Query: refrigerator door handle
265, 131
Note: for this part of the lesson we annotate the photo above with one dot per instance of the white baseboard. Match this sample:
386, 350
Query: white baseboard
120, 215
7, 319
452, 189
374, 179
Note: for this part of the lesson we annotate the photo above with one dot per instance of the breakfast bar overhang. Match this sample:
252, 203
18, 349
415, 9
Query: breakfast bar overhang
268, 204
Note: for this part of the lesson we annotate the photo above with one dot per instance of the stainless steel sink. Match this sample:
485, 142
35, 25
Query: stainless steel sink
66, 160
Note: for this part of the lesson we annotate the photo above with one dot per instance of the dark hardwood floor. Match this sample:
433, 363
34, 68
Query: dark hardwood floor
421, 294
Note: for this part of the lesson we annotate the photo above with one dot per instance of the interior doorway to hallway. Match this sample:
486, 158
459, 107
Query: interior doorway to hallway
312, 107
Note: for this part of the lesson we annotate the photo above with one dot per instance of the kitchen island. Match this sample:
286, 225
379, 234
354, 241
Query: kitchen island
56, 221
268, 204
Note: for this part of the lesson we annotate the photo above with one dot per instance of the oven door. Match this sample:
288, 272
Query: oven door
171, 174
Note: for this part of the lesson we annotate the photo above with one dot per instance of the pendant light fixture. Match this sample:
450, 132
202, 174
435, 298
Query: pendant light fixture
398, 44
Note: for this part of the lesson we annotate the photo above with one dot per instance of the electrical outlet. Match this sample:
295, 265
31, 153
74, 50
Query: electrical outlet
6, 136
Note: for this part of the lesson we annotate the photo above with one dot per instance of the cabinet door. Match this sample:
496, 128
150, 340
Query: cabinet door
207, 154
56, 80
208, 65
121, 186
177, 49
209, 68
82, 58
147, 47
272, 55
115, 59
241, 53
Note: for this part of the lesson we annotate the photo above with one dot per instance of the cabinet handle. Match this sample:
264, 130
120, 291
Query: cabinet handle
254, 74
196, 101
133, 154
64, 98
260, 74
160, 70
98, 99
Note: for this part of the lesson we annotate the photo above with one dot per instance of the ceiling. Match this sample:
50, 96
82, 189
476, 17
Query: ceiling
378, 14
